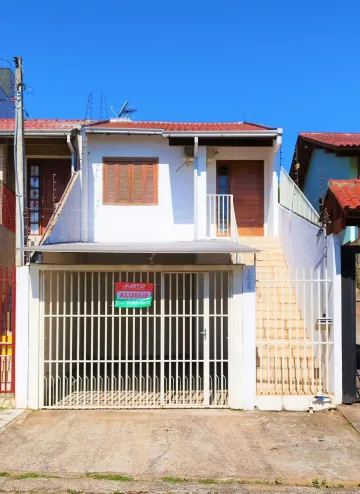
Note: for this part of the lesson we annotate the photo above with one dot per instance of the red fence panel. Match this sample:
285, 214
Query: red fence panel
7, 207
7, 329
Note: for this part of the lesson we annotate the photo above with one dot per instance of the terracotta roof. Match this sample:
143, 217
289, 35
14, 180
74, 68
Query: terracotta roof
41, 123
346, 192
337, 139
180, 126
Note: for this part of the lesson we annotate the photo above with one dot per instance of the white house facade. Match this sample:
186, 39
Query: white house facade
164, 278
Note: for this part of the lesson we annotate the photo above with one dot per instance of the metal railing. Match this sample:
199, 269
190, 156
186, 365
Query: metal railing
7, 207
220, 216
292, 198
293, 346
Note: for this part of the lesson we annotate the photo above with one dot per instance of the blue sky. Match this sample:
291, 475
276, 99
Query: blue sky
286, 63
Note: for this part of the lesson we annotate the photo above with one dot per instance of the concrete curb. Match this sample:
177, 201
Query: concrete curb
352, 414
95, 486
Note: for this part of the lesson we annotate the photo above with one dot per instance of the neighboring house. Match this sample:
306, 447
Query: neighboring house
321, 156
7, 93
48, 156
169, 276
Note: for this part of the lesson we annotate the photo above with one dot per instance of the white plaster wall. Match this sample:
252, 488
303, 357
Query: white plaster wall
173, 217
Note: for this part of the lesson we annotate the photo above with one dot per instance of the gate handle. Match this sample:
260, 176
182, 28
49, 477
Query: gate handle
203, 332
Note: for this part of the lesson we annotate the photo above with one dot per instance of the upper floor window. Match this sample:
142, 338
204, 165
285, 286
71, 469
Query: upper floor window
130, 181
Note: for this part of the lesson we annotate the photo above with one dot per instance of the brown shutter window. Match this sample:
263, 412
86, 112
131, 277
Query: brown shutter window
130, 181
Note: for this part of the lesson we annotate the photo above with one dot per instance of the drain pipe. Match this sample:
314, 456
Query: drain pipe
196, 196
71, 147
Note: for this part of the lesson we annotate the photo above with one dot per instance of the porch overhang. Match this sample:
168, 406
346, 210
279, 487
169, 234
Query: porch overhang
166, 247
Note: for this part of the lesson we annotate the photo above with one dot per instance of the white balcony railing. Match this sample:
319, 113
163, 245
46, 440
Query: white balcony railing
293, 199
220, 214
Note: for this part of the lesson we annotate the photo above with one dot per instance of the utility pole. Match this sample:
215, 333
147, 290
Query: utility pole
19, 156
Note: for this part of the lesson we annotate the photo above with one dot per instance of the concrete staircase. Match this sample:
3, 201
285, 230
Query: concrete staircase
285, 361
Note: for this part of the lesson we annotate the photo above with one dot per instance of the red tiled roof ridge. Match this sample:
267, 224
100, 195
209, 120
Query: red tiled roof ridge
316, 132
346, 192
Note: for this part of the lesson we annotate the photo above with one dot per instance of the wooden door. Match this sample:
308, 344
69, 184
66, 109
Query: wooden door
55, 176
246, 184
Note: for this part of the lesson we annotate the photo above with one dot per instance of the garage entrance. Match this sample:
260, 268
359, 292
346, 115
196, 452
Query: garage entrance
171, 354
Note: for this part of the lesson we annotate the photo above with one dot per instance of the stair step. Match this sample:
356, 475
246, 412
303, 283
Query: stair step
263, 311
279, 324
285, 375
289, 335
287, 362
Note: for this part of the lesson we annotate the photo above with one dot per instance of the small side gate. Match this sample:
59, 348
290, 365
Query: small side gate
7, 325
173, 353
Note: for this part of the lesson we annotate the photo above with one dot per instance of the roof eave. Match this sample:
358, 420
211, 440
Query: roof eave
38, 133
241, 133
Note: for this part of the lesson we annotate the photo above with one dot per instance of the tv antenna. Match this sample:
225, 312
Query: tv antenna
126, 110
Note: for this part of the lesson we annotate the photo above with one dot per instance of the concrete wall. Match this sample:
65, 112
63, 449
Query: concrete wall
327, 166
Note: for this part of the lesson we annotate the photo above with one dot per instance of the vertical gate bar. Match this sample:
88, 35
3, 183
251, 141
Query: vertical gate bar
105, 318
170, 330
162, 344
98, 341
222, 337
133, 356
197, 328
147, 343
319, 351
127, 391
154, 345
64, 336
92, 342
177, 334
84, 318
112, 291
305, 367
261, 329
206, 372
191, 338
268, 334
71, 335
120, 365
184, 339
276, 275
78, 341
141, 349
283, 333
297, 380
57, 337
312, 369
327, 389
50, 337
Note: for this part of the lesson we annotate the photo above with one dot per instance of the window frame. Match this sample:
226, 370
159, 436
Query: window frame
131, 161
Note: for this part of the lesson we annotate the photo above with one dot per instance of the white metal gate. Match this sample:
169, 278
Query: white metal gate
171, 354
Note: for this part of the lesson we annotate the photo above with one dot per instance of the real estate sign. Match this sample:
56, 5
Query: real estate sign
128, 294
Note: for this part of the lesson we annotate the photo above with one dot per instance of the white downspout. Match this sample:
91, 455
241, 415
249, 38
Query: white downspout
72, 150
196, 194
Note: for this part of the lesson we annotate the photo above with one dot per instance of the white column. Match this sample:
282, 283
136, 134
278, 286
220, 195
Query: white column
35, 359
236, 384
249, 338
334, 274
200, 193
22, 337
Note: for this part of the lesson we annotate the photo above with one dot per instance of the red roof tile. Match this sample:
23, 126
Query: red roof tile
337, 139
41, 123
346, 192
181, 126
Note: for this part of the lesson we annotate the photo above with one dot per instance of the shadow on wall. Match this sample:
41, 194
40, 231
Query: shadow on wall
182, 193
